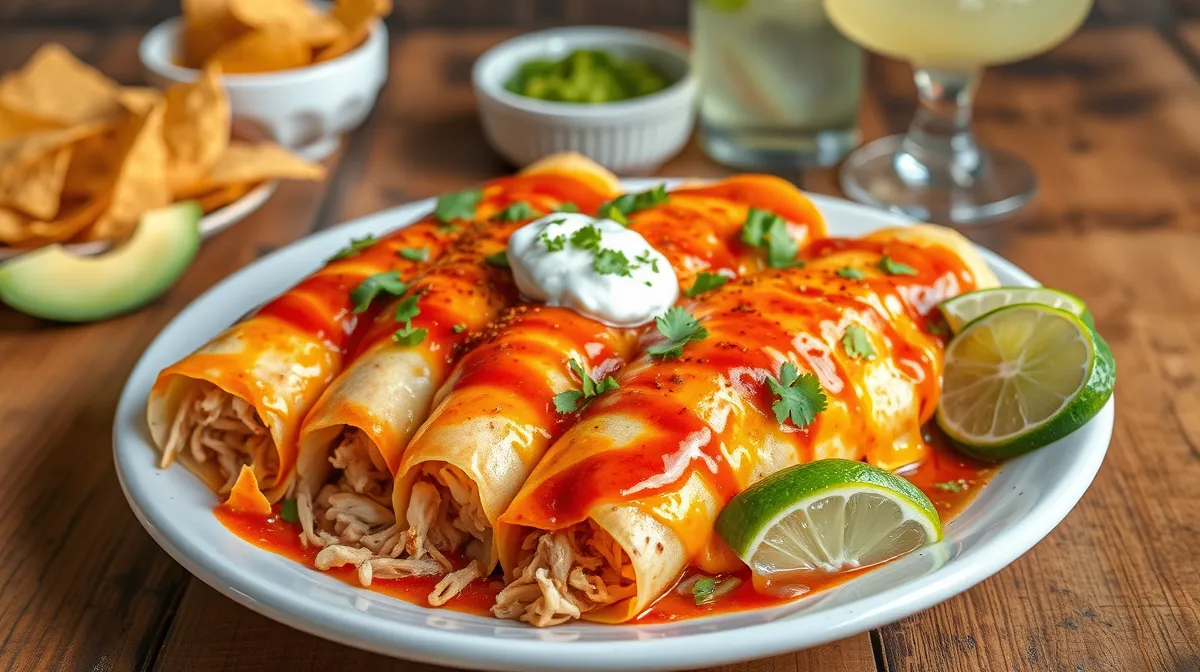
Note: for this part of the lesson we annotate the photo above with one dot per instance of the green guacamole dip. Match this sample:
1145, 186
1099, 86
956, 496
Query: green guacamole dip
587, 76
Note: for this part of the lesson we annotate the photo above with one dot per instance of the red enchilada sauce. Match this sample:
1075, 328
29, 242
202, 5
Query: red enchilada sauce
934, 477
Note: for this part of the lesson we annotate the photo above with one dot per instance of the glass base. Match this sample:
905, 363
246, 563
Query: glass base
882, 175
776, 151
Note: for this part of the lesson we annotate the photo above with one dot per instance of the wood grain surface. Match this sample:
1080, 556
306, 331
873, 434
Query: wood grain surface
1111, 121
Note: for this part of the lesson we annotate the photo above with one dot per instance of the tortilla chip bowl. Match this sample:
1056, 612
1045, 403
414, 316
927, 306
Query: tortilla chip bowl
304, 108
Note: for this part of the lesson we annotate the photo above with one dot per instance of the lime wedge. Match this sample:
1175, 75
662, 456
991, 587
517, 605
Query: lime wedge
1021, 377
827, 516
965, 307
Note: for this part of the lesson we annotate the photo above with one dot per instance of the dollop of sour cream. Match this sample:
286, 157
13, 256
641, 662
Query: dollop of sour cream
553, 263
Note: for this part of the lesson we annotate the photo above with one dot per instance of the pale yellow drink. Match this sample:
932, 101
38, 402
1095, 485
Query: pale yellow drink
958, 34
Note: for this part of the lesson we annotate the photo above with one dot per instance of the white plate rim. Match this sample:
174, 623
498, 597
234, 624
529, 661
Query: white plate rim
706, 644
217, 220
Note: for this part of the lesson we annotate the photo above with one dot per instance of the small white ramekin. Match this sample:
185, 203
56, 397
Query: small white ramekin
305, 109
628, 137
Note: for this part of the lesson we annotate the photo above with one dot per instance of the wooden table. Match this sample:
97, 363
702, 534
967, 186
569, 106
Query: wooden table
1111, 121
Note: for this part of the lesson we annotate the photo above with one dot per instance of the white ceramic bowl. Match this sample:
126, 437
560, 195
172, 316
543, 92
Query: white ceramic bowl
628, 137
305, 109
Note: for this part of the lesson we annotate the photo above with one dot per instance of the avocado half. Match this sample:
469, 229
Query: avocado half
54, 284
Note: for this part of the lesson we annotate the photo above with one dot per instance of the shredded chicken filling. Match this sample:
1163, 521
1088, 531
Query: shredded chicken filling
213, 425
351, 520
565, 574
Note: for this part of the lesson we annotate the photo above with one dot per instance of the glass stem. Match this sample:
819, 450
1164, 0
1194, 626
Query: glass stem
939, 149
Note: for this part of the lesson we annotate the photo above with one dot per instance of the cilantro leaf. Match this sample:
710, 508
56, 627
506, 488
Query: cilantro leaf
951, 486
611, 262
644, 259
587, 238
680, 328
567, 402
892, 267
567, 207
415, 253
407, 309
611, 211
356, 246
458, 205
499, 259
289, 511
408, 335
703, 589
764, 228
937, 326
368, 289
448, 228
555, 244
800, 396
627, 204
706, 282
516, 212
857, 344
851, 273
458, 328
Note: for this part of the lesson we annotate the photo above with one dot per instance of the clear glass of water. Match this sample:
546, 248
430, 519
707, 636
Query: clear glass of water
779, 85
937, 171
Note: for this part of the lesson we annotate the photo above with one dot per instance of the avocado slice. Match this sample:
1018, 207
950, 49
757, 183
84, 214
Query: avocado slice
54, 284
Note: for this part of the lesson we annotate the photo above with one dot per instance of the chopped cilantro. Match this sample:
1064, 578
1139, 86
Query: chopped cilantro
587, 238
857, 344
680, 328
498, 259
415, 253
851, 273
763, 228
367, 290
458, 205
568, 401
627, 204
892, 267
800, 396
951, 486
567, 207
458, 328
289, 511
611, 211
937, 326
555, 244
448, 228
516, 212
407, 309
356, 246
611, 262
703, 589
408, 335
705, 282
644, 259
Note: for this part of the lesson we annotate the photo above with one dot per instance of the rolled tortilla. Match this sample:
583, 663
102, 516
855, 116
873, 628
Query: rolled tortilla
626, 499
495, 417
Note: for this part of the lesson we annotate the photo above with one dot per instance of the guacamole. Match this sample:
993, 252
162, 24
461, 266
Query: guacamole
587, 76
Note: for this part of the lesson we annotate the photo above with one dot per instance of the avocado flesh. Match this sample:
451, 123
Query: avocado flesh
54, 284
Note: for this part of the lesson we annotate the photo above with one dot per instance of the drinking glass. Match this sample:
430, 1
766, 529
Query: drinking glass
936, 171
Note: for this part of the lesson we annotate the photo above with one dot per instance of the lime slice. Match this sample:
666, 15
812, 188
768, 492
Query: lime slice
1021, 377
965, 307
827, 516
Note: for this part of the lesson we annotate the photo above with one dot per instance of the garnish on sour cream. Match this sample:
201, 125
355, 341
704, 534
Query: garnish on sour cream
595, 267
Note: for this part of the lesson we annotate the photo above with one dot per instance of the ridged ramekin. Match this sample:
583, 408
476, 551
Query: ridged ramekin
627, 137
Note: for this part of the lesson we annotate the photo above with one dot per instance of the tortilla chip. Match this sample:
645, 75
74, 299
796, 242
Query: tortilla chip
293, 16
94, 163
34, 187
14, 124
17, 230
262, 51
222, 196
34, 146
141, 182
207, 25
195, 127
245, 163
139, 99
245, 497
356, 16
55, 86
